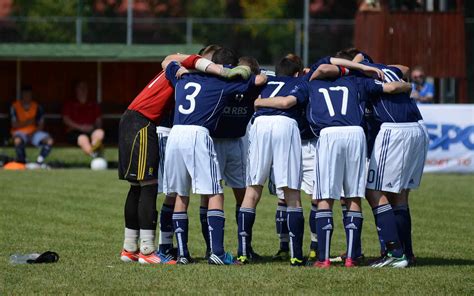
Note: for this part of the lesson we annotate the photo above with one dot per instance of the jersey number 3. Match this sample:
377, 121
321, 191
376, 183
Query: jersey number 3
191, 98
327, 98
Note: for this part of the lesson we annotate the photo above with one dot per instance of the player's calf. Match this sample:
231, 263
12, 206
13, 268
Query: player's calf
353, 227
386, 226
324, 229
281, 226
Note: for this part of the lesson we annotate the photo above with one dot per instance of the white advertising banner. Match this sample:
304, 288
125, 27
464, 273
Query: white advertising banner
451, 130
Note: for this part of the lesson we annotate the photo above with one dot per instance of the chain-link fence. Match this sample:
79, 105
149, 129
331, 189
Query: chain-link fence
265, 39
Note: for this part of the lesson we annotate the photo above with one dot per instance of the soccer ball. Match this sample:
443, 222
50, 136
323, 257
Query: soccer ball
98, 164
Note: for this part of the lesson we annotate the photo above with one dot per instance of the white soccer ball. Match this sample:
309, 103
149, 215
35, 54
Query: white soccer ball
98, 164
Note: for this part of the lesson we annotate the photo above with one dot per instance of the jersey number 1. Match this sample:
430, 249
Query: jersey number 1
191, 98
327, 98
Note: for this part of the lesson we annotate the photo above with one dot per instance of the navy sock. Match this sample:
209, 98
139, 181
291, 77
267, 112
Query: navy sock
344, 214
246, 220
180, 226
204, 227
324, 228
296, 230
20, 152
403, 221
409, 243
353, 227
166, 228
216, 221
237, 210
282, 226
387, 228
45, 150
312, 227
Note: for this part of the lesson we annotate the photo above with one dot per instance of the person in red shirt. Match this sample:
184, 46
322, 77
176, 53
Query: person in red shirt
83, 121
139, 156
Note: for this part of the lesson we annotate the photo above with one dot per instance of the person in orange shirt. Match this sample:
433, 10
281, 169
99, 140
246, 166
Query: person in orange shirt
27, 127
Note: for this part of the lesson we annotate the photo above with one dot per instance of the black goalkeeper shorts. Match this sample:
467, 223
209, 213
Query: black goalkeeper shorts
138, 148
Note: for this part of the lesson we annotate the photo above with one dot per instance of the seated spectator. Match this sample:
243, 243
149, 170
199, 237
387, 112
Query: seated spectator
83, 121
370, 5
27, 127
422, 90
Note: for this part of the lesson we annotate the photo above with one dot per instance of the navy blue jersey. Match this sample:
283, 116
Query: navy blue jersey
236, 115
201, 98
303, 124
339, 102
280, 86
393, 107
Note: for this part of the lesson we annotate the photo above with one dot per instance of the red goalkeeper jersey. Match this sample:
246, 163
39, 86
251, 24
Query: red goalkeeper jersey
156, 99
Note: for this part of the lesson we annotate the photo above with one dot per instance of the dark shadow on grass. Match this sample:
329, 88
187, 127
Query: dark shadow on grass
428, 261
77, 165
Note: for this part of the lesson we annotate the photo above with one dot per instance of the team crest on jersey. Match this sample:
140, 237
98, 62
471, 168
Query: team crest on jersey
150, 172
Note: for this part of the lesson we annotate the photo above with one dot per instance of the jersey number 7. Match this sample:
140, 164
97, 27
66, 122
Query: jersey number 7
327, 98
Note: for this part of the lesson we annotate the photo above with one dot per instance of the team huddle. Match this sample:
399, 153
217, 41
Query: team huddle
344, 129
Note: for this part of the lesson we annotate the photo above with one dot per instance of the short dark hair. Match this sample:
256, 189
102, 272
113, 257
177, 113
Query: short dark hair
251, 62
208, 49
348, 53
26, 88
225, 56
289, 65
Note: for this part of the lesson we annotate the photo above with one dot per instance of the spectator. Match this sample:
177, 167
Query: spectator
27, 127
370, 5
83, 122
422, 90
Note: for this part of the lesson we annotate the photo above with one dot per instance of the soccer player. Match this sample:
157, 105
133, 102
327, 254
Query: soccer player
190, 156
27, 121
165, 247
402, 142
275, 144
335, 113
84, 122
138, 159
231, 145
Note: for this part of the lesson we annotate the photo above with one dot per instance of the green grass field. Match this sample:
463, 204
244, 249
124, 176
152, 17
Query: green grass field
78, 213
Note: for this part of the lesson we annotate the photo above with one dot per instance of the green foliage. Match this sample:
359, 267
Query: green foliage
50, 30
79, 214
263, 8
280, 36
206, 9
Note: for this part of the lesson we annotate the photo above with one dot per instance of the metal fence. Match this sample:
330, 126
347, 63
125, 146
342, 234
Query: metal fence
266, 39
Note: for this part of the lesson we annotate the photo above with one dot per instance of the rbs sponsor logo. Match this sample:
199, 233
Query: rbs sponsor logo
443, 135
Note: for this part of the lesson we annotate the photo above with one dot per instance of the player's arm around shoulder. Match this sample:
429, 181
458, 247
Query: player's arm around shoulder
397, 87
326, 71
276, 102
367, 70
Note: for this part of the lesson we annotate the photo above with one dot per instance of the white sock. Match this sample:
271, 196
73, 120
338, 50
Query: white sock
130, 242
165, 238
147, 241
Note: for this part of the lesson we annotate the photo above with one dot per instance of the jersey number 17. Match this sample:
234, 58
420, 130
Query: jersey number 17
327, 98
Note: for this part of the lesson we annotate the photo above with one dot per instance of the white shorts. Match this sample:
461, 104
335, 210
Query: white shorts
340, 163
308, 149
309, 153
163, 133
398, 158
191, 162
274, 143
232, 158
